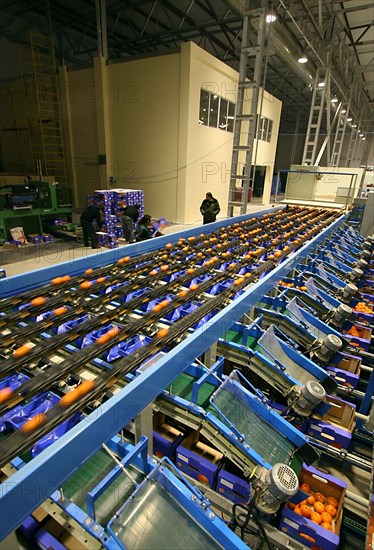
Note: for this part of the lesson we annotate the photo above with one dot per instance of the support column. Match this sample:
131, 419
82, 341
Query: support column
67, 126
102, 121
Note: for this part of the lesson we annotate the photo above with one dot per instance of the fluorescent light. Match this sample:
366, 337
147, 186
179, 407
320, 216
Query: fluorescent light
354, 125
349, 119
344, 111
361, 135
321, 84
334, 100
303, 58
270, 17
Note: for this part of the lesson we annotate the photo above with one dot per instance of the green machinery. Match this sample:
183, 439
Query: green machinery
34, 205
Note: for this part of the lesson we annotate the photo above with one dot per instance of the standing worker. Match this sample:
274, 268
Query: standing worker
130, 215
88, 217
209, 208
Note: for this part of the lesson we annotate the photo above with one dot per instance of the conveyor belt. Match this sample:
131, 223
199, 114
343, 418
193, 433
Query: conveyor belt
31, 432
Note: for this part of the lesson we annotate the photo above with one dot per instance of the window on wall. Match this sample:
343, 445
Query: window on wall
216, 112
204, 108
264, 129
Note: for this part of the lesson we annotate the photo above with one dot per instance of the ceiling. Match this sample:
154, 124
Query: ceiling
320, 28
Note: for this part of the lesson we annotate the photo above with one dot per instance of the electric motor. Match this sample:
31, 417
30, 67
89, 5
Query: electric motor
368, 243
356, 274
365, 255
276, 486
329, 345
309, 397
362, 264
341, 314
348, 292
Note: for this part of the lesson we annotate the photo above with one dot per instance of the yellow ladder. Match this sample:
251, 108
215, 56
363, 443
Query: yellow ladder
38, 70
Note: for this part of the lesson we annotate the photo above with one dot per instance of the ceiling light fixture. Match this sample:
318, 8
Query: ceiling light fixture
270, 17
361, 135
363, 139
334, 99
354, 125
344, 111
349, 119
303, 58
321, 84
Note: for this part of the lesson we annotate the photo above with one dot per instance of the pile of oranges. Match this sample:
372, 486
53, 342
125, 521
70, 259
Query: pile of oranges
317, 508
363, 308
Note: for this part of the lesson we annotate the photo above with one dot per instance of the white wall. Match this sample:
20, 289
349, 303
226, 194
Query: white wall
327, 186
144, 129
209, 150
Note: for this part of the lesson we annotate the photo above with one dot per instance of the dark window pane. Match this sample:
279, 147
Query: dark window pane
270, 130
231, 117
213, 111
204, 108
265, 130
223, 114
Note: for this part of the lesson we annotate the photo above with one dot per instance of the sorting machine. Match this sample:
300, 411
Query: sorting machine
33, 206
244, 337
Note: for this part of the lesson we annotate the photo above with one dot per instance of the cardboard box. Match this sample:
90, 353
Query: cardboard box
336, 426
9, 246
347, 371
230, 483
362, 337
198, 460
303, 529
166, 438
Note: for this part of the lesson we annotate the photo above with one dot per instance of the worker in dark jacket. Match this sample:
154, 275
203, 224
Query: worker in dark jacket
209, 208
130, 215
88, 217
143, 231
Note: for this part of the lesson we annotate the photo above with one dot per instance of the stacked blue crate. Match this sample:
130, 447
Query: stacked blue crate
113, 201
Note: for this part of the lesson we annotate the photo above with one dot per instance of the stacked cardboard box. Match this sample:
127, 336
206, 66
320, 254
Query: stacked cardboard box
114, 200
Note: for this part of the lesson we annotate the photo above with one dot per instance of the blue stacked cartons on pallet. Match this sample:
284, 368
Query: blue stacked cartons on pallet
114, 200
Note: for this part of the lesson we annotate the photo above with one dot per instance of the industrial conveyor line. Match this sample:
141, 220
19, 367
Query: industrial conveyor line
41, 425
84, 356
50, 345
236, 308
81, 293
62, 285
179, 253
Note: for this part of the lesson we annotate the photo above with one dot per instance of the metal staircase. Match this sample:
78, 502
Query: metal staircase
243, 160
38, 70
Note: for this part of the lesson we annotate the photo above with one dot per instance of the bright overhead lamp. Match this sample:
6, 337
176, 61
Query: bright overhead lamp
270, 17
302, 59
344, 111
349, 119
334, 99
361, 135
354, 125
363, 139
321, 84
